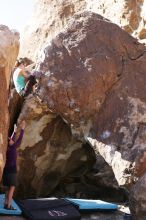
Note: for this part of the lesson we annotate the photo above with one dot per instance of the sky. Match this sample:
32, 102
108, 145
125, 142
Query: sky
15, 13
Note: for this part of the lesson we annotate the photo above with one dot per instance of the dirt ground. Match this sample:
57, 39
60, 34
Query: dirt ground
95, 216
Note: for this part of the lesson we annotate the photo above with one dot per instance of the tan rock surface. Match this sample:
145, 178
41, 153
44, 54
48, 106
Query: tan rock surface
128, 14
9, 46
50, 17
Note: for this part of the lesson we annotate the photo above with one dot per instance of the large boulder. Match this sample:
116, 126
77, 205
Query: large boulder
94, 78
9, 46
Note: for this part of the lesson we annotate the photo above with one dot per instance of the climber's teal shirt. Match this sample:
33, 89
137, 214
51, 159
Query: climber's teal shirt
19, 80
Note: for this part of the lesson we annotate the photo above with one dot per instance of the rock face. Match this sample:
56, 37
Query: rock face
50, 151
75, 65
97, 85
128, 14
50, 17
9, 45
57, 163
138, 199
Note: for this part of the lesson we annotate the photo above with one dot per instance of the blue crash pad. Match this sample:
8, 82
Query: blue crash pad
87, 204
8, 212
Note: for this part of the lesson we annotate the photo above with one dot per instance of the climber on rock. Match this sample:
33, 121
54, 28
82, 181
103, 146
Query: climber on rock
10, 169
23, 80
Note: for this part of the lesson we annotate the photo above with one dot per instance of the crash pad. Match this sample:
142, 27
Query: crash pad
3, 211
93, 205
